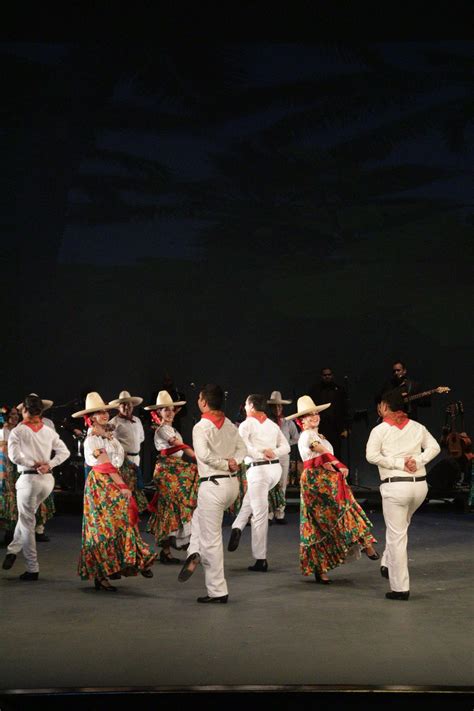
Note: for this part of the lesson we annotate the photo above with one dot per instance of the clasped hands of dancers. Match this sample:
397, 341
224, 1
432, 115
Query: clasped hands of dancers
235, 469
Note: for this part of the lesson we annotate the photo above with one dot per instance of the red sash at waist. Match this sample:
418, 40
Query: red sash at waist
108, 468
330, 462
172, 450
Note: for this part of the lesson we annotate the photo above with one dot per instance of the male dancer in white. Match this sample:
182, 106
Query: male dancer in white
219, 451
40, 534
30, 447
265, 445
400, 447
128, 429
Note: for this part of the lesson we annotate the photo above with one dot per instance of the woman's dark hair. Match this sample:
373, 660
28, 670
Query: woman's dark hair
213, 395
33, 405
394, 399
258, 401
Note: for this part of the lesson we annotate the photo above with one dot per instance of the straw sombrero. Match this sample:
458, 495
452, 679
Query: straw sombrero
275, 399
46, 403
306, 406
94, 403
164, 399
126, 397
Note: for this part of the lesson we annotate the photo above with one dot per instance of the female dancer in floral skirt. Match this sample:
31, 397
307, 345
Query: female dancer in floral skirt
333, 525
111, 542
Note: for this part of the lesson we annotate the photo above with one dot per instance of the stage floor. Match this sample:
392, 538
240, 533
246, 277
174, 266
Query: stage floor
278, 629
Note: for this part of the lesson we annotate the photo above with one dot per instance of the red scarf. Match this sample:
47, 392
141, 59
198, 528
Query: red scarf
330, 462
34, 422
260, 416
217, 417
108, 468
397, 419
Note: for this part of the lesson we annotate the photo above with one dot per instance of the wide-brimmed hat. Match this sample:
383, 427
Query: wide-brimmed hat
126, 397
306, 405
275, 399
164, 399
94, 403
46, 403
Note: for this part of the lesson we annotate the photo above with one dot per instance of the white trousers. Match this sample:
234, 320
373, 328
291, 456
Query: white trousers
255, 503
400, 500
285, 468
31, 491
213, 500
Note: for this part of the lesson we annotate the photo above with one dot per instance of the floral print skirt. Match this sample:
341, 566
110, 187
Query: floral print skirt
128, 472
176, 483
110, 544
328, 529
8, 508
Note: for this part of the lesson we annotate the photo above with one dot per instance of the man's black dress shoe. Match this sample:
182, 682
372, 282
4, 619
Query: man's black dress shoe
234, 539
29, 576
42, 537
384, 571
10, 558
397, 595
192, 561
261, 566
223, 599
281, 521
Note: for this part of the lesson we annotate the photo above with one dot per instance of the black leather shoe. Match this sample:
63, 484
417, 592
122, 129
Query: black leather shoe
223, 599
147, 573
320, 580
384, 571
29, 576
192, 562
42, 537
397, 595
261, 566
10, 558
281, 521
234, 539
167, 559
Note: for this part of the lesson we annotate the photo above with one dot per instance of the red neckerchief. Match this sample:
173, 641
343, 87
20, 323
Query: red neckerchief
33, 422
260, 416
217, 417
399, 419
125, 417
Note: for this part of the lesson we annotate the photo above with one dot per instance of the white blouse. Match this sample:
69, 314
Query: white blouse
163, 434
307, 437
113, 448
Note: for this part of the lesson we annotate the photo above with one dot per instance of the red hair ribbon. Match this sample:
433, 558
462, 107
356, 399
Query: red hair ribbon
155, 417
87, 420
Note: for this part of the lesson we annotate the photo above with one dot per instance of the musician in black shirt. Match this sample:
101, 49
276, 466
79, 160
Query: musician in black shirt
407, 386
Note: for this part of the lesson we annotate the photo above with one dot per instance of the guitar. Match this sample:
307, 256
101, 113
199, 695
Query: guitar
440, 389
457, 443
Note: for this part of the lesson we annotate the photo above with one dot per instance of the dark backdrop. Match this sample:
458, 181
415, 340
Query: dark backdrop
244, 213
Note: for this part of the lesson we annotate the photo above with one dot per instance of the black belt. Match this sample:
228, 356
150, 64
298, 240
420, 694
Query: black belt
133, 454
403, 478
30, 471
216, 476
264, 461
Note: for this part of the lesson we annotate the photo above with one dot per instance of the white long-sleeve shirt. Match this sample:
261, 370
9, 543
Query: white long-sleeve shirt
213, 447
162, 437
307, 437
388, 446
25, 447
130, 435
113, 448
259, 436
